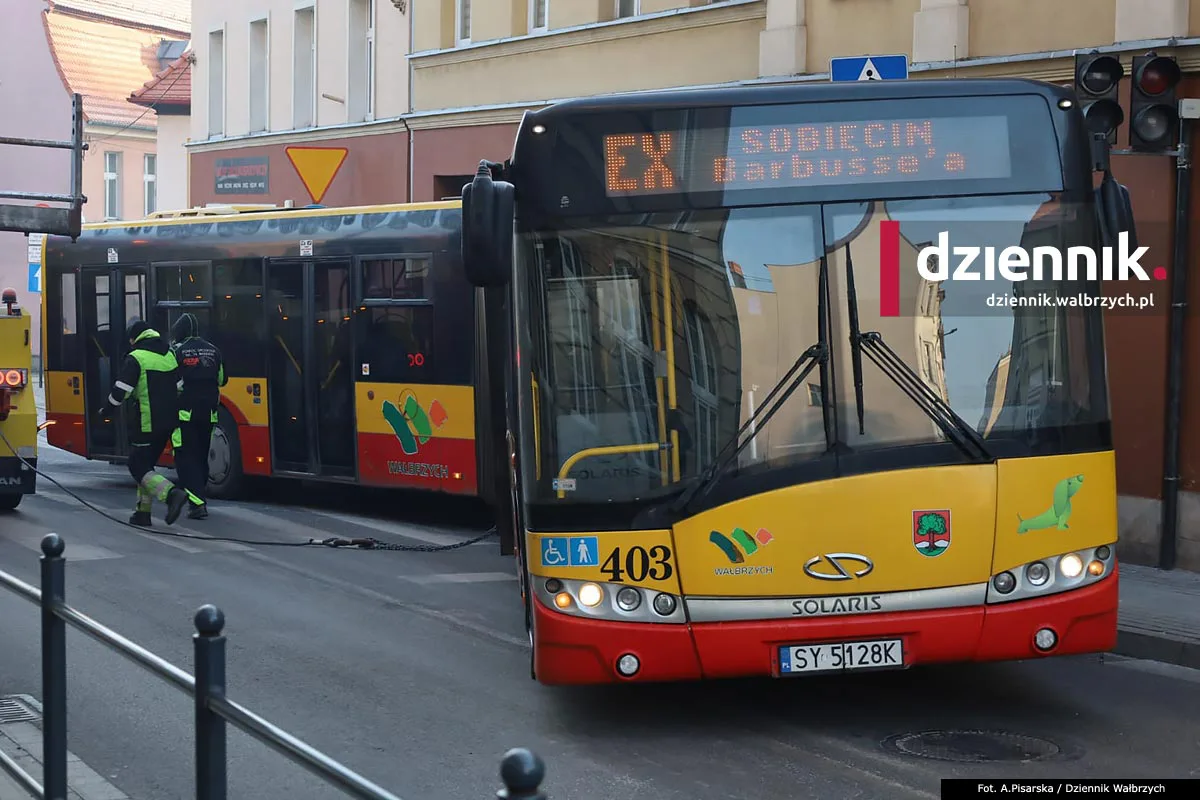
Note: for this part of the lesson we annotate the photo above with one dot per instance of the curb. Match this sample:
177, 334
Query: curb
1158, 648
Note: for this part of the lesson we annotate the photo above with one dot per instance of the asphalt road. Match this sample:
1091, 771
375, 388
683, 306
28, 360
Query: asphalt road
413, 669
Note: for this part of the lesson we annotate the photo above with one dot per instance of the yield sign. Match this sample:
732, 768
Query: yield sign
317, 167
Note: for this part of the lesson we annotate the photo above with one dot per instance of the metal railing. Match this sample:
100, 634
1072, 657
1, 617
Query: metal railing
521, 771
43, 218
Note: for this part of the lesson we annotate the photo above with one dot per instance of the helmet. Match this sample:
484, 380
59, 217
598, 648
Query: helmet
185, 327
136, 328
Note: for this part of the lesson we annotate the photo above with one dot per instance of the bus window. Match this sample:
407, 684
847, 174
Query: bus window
239, 328
183, 283
395, 333
63, 344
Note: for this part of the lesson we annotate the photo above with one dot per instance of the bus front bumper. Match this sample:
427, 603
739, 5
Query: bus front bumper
571, 650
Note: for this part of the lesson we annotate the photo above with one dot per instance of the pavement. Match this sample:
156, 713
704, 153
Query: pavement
412, 668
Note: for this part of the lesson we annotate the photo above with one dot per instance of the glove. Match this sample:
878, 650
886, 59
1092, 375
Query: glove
106, 411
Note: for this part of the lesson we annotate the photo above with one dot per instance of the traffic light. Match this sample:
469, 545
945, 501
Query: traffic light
1096, 80
1153, 109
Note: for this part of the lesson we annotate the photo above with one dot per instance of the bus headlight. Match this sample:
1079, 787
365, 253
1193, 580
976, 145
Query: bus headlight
629, 598
590, 595
1046, 576
1071, 566
611, 602
1037, 573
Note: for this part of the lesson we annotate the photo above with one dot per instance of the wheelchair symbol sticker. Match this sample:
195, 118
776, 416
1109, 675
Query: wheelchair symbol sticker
554, 551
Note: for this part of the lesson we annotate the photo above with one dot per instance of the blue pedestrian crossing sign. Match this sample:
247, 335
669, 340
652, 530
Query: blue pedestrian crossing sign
34, 247
869, 68
585, 551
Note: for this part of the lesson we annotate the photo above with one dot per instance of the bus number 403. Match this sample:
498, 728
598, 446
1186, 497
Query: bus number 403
639, 563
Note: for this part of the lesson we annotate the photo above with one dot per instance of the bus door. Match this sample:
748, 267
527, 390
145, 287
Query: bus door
310, 387
110, 297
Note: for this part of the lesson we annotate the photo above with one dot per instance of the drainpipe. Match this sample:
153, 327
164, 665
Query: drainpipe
412, 10
1183, 198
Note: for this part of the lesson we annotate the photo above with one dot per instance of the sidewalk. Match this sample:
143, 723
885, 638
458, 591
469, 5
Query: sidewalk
1159, 617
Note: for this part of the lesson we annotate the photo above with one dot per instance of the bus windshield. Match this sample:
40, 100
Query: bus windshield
652, 339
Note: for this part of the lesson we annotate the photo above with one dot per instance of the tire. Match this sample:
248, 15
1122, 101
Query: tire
226, 480
9, 502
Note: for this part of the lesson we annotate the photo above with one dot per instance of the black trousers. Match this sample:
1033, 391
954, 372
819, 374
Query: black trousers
191, 456
144, 452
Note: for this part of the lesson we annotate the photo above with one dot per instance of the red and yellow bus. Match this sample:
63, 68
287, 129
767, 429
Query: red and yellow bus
348, 336
746, 436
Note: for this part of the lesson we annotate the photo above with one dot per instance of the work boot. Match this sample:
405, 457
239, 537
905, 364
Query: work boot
198, 511
176, 499
141, 518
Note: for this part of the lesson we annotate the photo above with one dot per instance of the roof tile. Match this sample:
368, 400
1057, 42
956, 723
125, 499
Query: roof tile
104, 62
172, 15
170, 88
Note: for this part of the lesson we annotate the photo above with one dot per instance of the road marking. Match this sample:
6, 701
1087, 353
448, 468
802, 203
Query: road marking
461, 577
291, 531
419, 610
22, 742
1161, 668
32, 540
397, 529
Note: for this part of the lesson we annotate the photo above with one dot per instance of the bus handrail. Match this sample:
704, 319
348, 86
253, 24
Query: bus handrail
609, 450
522, 772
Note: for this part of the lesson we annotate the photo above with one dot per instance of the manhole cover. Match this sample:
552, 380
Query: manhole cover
973, 747
15, 711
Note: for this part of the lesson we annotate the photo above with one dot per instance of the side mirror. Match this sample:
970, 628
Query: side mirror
487, 235
1115, 212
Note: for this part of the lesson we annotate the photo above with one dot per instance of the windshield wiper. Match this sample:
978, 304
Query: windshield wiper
808, 360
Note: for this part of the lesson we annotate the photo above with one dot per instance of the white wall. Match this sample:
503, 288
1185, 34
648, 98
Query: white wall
33, 104
333, 51
173, 132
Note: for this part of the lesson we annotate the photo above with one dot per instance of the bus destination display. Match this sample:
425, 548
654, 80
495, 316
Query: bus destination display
814, 154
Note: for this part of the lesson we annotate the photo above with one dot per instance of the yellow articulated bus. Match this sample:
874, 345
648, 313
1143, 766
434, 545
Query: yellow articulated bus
18, 411
747, 433
348, 335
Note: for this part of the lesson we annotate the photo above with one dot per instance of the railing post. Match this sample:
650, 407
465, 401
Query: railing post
522, 772
54, 669
211, 778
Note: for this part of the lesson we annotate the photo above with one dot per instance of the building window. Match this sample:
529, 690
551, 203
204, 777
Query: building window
462, 24
304, 68
112, 186
537, 15
260, 60
360, 75
150, 182
628, 8
216, 83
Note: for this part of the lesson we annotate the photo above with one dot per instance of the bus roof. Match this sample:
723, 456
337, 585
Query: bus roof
206, 215
805, 93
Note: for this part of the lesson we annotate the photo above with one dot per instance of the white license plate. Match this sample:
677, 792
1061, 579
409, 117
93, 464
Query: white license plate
839, 656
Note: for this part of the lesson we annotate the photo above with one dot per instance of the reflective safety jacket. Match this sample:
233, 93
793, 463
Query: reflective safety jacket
201, 372
149, 375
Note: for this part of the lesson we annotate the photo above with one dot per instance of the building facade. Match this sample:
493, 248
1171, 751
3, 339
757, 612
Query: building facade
299, 100
169, 97
475, 67
102, 50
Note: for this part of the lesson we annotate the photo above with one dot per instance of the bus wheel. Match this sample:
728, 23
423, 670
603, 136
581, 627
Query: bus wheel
225, 478
9, 502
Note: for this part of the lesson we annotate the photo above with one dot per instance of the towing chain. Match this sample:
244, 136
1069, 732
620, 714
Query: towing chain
369, 543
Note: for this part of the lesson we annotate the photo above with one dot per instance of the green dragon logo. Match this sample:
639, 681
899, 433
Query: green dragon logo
1058, 513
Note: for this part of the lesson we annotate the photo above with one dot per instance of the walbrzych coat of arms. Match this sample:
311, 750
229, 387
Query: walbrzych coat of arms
931, 531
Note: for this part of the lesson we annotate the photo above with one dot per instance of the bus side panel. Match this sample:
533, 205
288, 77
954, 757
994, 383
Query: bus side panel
65, 408
419, 436
246, 401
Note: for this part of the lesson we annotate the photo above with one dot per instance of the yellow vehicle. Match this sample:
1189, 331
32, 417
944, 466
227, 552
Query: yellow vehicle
18, 412
747, 434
